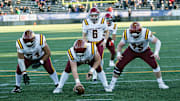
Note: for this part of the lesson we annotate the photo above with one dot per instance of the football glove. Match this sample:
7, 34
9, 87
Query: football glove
89, 75
36, 65
26, 79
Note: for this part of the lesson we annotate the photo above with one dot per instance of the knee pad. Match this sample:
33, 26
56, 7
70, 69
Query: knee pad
157, 69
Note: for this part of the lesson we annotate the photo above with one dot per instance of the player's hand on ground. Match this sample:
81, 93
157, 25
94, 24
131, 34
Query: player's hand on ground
89, 75
156, 56
26, 79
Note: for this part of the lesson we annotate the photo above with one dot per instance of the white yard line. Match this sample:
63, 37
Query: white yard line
2, 97
8, 84
97, 95
93, 99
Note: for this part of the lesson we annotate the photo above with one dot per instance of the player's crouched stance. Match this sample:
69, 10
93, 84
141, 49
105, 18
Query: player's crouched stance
32, 49
138, 39
82, 53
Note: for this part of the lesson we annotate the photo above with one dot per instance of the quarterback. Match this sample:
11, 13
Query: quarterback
82, 53
32, 49
95, 30
138, 39
112, 27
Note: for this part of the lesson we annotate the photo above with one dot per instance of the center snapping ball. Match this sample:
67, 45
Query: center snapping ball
79, 90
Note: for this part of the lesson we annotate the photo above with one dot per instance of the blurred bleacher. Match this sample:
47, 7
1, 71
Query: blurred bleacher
55, 6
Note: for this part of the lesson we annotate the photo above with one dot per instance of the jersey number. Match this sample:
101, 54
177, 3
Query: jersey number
95, 34
139, 46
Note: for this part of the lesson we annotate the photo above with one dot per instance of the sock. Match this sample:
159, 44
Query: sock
18, 79
113, 81
94, 75
54, 77
159, 80
63, 79
102, 77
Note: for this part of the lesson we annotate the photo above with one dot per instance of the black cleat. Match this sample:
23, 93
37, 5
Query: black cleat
17, 89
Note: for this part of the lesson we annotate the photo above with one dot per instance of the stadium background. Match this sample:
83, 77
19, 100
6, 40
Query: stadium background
62, 26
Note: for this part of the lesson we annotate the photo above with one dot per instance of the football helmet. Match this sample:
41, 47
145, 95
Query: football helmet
108, 19
135, 29
28, 38
94, 14
80, 47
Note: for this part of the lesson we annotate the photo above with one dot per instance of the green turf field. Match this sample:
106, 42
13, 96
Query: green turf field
137, 83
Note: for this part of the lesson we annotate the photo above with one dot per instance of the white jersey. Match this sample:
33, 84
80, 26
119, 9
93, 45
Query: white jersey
35, 52
112, 29
141, 43
95, 32
86, 57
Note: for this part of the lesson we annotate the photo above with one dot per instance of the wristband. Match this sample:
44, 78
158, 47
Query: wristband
77, 80
92, 70
41, 61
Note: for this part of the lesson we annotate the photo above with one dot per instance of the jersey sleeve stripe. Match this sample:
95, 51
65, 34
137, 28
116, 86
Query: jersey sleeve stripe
147, 32
70, 54
114, 26
20, 44
102, 21
125, 34
92, 48
41, 39
86, 22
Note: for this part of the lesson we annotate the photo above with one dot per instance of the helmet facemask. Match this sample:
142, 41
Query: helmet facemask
135, 29
29, 38
94, 14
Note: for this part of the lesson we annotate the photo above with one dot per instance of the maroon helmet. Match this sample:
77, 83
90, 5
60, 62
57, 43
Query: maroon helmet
94, 14
135, 29
80, 46
28, 37
108, 18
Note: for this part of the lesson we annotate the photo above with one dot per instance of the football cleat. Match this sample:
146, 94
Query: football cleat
17, 89
107, 89
57, 90
111, 63
163, 86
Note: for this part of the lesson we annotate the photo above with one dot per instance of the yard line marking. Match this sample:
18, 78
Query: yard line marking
5, 92
169, 71
2, 97
97, 94
93, 99
167, 80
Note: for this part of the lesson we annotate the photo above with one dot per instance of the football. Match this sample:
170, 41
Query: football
79, 90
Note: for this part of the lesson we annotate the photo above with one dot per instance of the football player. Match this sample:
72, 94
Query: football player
82, 53
112, 27
95, 30
138, 39
32, 49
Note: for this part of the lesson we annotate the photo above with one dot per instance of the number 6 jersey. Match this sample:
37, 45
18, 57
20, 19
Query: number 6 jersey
94, 32
34, 52
139, 44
